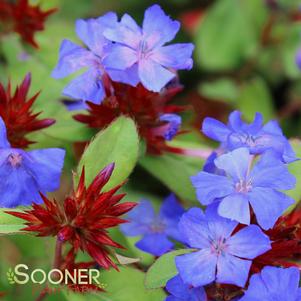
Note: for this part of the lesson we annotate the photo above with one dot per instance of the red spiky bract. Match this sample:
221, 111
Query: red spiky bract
24, 18
83, 218
17, 114
143, 106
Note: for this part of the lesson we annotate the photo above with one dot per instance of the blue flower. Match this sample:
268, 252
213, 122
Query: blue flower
89, 85
255, 136
274, 284
25, 174
173, 124
183, 292
155, 228
243, 185
142, 48
221, 256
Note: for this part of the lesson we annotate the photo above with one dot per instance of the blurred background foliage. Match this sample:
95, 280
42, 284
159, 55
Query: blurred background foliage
244, 59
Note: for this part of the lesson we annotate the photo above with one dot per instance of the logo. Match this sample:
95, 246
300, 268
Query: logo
21, 274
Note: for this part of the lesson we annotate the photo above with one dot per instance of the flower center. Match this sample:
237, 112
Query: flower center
244, 139
243, 186
143, 50
15, 159
218, 246
157, 227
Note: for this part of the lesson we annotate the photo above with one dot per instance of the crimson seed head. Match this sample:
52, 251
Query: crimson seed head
83, 218
142, 105
16, 112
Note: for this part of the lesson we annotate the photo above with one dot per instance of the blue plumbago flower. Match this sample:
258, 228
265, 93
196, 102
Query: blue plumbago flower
274, 284
173, 124
143, 48
183, 292
155, 228
243, 185
89, 86
255, 136
25, 174
221, 256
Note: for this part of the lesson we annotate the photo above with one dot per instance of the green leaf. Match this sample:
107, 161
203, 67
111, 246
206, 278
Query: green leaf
163, 269
175, 172
222, 89
229, 33
294, 169
117, 143
252, 92
10, 224
126, 285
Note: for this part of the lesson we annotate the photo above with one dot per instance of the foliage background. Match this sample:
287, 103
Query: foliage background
244, 59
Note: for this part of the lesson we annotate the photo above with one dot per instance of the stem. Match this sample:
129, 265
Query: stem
58, 254
42, 295
56, 265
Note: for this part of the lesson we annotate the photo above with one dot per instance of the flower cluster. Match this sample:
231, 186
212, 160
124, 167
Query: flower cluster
241, 234
244, 193
22, 17
124, 52
129, 71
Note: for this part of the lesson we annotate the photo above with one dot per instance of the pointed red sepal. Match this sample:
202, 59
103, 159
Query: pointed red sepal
17, 114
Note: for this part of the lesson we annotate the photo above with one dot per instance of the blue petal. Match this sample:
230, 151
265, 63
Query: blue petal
120, 57
194, 229
235, 163
140, 219
249, 243
235, 121
272, 173
91, 31
3, 135
257, 290
197, 268
125, 33
283, 281
178, 288
73, 58
272, 283
153, 76
235, 207
176, 56
45, 165
182, 291
174, 122
268, 205
217, 226
215, 129
128, 76
232, 270
170, 213
210, 187
158, 28
87, 87
156, 244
